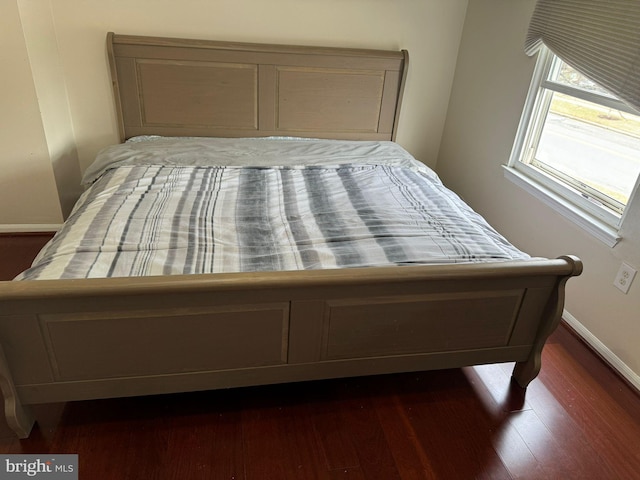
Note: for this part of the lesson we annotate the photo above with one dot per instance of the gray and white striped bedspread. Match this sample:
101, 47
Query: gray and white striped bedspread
160, 220
162, 206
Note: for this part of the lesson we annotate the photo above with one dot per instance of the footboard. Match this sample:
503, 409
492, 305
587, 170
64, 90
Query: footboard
68, 340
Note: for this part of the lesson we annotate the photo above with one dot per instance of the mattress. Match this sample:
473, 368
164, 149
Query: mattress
162, 206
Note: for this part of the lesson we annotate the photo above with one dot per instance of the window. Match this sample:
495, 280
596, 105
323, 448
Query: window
579, 145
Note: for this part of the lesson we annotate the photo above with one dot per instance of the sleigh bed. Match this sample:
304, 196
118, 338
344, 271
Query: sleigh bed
284, 118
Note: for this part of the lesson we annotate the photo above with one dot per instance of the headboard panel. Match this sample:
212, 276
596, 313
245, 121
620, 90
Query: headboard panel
178, 87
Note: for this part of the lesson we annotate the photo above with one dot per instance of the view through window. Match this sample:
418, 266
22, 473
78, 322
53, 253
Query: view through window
583, 138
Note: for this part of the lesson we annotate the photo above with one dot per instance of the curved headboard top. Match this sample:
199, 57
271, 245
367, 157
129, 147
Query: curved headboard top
180, 87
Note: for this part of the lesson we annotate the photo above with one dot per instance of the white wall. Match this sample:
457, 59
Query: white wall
28, 192
48, 78
489, 89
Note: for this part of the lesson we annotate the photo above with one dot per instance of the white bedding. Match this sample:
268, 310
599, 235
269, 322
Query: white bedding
249, 152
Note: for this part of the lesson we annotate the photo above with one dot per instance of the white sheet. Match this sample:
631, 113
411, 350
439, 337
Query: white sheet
249, 152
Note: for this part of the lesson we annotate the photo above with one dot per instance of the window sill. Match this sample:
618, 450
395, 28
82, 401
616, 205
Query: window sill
600, 230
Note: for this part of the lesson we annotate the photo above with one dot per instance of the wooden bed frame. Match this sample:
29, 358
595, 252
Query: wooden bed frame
63, 340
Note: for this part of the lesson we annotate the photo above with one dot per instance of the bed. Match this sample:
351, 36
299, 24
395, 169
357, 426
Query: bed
121, 327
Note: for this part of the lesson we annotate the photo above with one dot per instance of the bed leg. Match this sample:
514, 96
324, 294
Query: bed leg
525, 372
19, 417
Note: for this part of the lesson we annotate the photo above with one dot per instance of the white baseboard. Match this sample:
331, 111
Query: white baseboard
29, 228
610, 357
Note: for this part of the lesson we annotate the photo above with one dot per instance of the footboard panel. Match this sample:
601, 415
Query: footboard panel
400, 325
92, 345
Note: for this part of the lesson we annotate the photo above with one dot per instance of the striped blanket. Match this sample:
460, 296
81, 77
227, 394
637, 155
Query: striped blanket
153, 219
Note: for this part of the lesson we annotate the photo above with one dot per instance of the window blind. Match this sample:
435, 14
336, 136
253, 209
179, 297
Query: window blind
599, 38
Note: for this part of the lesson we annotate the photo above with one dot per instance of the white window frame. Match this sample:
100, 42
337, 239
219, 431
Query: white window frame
588, 213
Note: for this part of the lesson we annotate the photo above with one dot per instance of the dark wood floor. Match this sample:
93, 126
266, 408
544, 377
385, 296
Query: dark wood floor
577, 420
18, 250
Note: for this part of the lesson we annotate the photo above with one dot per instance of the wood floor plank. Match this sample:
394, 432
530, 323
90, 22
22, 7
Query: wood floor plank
552, 460
516, 454
214, 442
360, 418
304, 458
336, 442
599, 373
553, 437
411, 460
350, 433
568, 436
453, 420
17, 251
263, 449
347, 474
502, 399
608, 428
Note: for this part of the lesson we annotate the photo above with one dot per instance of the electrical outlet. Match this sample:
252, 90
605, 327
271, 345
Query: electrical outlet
624, 277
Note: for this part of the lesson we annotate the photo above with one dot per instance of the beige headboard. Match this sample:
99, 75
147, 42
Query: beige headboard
177, 87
